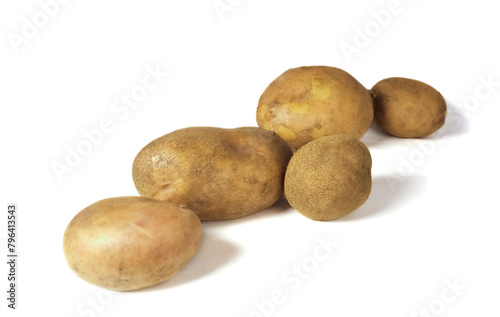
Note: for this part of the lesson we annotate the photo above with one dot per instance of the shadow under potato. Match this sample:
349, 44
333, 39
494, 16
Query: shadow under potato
387, 192
455, 124
279, 207
213, 254
375, 135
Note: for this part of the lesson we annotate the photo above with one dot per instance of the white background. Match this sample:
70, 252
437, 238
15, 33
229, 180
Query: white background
433, 214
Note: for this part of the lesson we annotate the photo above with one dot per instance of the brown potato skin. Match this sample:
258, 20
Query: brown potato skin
408, 108
328, 178
128, 243
218, 173
306, 103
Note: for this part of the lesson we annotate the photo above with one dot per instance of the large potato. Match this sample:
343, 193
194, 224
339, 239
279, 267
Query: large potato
307, 103
128, 243
218, 173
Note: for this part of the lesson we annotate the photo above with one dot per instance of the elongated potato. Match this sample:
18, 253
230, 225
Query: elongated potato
128, 243
218, 173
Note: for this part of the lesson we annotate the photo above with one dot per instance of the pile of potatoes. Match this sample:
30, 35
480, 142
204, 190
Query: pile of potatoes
307, 146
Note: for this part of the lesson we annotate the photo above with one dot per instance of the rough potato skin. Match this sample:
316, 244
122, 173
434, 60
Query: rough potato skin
128, 243
408, 108
306, 103
329, 177
218, 173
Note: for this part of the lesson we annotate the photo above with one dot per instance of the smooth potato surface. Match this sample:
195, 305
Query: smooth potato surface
329, 177
306, 103
218, 173
128, 243
408, 108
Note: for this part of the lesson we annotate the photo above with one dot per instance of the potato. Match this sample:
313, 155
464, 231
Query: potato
128, 243
218, 173
408, 108
306, 103
329, 177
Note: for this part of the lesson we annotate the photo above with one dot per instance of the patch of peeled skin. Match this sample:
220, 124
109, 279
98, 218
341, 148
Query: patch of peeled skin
321, 90
263, 113
317, 133
298, 108
286, 133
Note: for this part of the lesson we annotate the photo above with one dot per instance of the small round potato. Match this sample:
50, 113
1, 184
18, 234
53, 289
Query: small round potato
408, 108
128, 243
306, 103
329, 177
218, 173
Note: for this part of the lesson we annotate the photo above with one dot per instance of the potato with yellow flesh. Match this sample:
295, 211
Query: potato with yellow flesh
218, 173
408, 108
128, 243
328, 178
307, 103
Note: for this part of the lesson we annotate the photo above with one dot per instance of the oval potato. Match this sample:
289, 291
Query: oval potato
128, 243
408, 108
